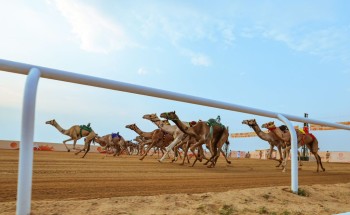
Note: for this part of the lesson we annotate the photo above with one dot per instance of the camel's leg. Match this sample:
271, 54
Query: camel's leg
215, 151
223, 153
197, 145
170, 147
194, 162
187, 146
149, 148
64, 143
314, 149
270, 155
197, 156
323, 169
87, 146
285, 159
299, 157
177, 151
280, 153
117, 151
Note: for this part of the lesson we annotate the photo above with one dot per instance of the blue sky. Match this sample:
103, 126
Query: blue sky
289, 57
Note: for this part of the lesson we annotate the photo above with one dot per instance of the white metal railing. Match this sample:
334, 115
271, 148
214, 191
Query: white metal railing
28, 112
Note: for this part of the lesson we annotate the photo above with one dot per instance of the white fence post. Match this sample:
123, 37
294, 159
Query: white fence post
25, 165
26, 146
294, 153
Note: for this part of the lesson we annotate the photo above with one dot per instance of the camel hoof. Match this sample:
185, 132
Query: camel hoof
68, 150
324, 170
229, 162
160, 161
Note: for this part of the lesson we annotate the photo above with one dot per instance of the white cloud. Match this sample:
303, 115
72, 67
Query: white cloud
197, 59
142, 71
200, 60
95, 32
227, 33
327, 43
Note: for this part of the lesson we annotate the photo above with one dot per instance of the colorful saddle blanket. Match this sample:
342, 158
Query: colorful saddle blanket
283, 128
86, 128
192, 123
116, 135
213, 122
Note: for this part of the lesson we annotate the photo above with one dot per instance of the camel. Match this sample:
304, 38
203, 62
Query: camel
142, 142
104, 142
159, 138
133, 147
270, 137
75, 132
303, 139
178, 135
113, 141
90, 138
209, 133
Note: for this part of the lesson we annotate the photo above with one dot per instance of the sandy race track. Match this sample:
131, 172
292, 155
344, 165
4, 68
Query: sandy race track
67, 184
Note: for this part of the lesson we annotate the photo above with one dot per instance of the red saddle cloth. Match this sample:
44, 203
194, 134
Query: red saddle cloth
312, 136
192, 123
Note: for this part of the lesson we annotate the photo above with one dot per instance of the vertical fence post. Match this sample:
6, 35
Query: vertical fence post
294, 153
25, 165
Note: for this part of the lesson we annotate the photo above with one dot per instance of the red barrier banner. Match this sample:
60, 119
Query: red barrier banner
324, 128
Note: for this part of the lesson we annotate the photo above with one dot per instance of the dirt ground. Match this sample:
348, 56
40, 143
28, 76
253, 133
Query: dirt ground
67, 184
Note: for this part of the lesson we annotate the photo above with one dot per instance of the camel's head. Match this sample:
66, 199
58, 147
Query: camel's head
169, 115
249, 122
269, 125
153, 117
51, 122
131, 126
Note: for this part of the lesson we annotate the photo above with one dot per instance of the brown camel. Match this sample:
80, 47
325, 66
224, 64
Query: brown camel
114, 142
303, 139
178, 135
90, 138
159, 138
134, 147
75, 132
142, 142
209, 133
270, 137
104, 142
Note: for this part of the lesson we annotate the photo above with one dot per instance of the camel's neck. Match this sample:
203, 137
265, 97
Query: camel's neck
280, 134
143, 134
184, 128
100, 141
260, 133
164, 127
58, 127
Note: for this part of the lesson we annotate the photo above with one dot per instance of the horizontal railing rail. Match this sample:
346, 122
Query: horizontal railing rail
28, 110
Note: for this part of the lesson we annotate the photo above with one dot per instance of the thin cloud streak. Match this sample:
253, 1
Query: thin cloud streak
95, 32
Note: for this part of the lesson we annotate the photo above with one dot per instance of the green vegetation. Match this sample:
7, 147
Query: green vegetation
227, 210
302, 192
